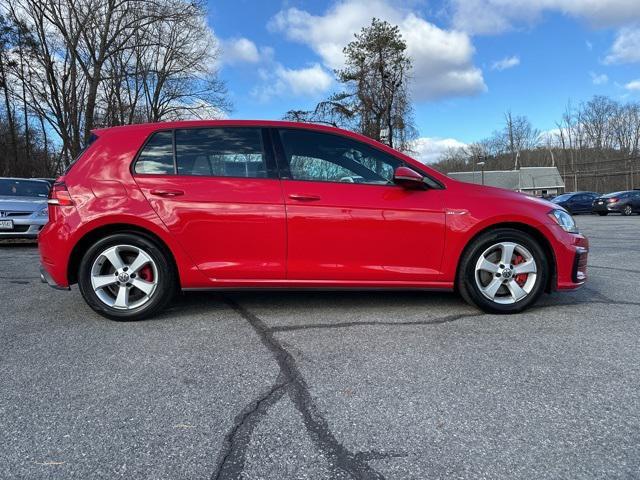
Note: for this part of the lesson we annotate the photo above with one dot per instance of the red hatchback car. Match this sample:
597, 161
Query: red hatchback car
150, 209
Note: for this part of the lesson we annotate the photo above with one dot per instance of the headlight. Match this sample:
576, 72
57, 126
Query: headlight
565, 220
44, 212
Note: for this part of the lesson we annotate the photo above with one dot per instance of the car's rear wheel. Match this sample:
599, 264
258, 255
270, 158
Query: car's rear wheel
126, 277
603, 214
628, 210
503, 271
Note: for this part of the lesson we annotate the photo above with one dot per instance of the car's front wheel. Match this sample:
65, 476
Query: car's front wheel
503, 271
126, 277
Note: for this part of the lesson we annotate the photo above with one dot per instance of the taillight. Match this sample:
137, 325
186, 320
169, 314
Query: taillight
59, 195
612, 200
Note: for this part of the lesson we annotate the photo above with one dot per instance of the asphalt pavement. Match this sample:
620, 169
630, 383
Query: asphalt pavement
326, 385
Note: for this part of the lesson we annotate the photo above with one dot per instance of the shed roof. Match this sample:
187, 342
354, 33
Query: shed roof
526, 178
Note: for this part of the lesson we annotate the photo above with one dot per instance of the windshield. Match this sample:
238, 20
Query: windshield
562, 198
23, 188
614, 194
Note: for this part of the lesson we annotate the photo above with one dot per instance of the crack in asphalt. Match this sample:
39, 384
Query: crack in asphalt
290, 380
232, 462
433, 321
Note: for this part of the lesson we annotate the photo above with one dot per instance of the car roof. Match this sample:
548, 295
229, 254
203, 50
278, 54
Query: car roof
223, 123
20, 179
318, 127
613, 194
572, 194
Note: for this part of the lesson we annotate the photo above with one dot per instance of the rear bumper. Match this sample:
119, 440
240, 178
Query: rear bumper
607, 207
54, 245
45, 277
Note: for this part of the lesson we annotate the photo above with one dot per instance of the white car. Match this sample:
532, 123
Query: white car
23, 207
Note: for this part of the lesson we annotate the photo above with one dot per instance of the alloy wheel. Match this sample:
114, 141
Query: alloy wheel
124, 277
628, 210
506, 273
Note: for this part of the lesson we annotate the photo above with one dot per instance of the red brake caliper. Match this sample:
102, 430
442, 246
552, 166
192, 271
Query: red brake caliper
521, 278
146, 273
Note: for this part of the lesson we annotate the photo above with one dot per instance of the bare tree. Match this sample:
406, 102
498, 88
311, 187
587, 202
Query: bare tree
5, 42
518, 136
97, 62
170, 71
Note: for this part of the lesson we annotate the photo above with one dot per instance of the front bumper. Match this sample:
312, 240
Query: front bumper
571, 251
24, 228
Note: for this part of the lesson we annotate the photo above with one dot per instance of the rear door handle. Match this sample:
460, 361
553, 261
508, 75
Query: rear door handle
304, 198
167, 193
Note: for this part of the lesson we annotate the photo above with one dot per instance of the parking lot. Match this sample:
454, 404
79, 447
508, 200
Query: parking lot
326, 385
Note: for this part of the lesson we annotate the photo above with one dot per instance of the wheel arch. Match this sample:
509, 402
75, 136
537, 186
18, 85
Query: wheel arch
89, 238
523, 227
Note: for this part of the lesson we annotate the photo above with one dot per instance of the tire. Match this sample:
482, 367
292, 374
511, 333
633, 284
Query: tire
603, 214
144, 284
507, 297
627, 211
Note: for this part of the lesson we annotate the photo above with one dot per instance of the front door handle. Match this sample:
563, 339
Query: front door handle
167, 193
304, 198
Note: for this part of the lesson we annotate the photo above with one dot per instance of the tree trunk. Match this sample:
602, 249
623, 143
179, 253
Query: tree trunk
10, 119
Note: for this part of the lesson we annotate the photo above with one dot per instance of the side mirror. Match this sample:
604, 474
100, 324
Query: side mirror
409, 179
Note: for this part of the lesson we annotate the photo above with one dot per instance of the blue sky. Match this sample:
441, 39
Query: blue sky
473, 59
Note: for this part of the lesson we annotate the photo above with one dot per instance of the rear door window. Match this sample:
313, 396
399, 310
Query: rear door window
220, 152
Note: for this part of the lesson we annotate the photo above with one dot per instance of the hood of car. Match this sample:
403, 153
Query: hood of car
510, 196
21, 204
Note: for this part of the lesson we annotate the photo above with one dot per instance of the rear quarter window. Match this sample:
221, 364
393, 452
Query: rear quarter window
156, 157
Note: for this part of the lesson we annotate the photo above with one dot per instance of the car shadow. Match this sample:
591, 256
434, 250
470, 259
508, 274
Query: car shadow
293, 301
10, 243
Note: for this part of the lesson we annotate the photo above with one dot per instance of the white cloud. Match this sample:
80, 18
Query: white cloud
599, 79
429, 150
492, 17
626, 47
505, 63
240, 50
442, 59
278, 81
633, 86
305, 81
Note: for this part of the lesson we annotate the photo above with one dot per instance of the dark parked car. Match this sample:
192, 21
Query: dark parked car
626, 203
576, 202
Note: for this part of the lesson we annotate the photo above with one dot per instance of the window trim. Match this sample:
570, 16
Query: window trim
271, 166
283, 163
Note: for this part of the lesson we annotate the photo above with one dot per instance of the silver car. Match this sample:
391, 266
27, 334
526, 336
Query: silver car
23, 207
